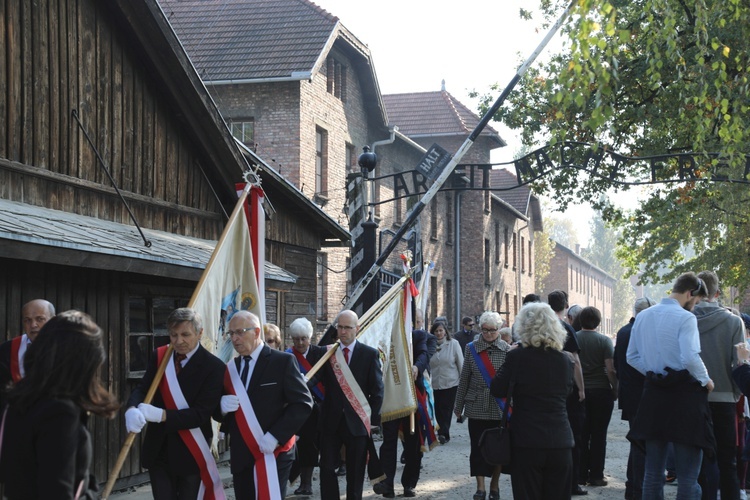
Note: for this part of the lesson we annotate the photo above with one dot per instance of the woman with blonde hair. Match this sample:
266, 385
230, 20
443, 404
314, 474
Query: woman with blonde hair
272, 336
540, 376
482, 358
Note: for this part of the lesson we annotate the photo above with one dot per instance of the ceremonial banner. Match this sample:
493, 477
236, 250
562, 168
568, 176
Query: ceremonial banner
385, 327
228, 284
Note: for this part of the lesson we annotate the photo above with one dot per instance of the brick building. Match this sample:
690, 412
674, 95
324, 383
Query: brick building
301, 91
586, 284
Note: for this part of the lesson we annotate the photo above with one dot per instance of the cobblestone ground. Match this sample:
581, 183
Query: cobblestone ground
445, 473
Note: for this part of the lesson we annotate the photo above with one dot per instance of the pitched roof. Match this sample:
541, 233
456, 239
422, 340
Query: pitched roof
519, 197
421, 114
251, 39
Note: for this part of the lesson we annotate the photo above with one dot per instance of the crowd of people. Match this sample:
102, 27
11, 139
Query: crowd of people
678, 369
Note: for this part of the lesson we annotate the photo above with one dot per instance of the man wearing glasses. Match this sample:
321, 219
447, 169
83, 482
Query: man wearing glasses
466, 334
353, 382
266, 402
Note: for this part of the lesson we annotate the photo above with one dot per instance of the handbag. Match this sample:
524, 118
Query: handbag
494, 443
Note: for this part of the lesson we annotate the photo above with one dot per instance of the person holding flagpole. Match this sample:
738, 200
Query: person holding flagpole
265, 403
176, 448
353, 381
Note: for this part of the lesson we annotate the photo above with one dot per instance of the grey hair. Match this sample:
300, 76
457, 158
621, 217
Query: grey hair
491, 318
183, 314
301, 327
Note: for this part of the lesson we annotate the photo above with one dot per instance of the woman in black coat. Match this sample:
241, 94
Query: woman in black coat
45, 447
542, 378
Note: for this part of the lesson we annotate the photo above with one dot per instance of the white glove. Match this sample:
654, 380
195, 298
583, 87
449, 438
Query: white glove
229, 403
134, 420
152, 413
267, 443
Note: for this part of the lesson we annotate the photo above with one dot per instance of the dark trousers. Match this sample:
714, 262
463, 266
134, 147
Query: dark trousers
166, 486
445, 399
356, 460
576, 417
541, 474
244, 481
412, 452
721, 473
635, 472
599, 406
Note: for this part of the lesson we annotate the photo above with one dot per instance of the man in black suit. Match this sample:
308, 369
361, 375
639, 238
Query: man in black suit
466, 334
266, 402
412, 442
308, 445
34, 315
348, 421
190, 392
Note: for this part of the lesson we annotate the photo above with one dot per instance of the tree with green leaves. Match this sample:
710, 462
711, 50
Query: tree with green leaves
641, 78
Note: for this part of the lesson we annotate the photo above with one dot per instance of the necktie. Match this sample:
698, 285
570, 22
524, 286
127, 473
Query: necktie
178, 362
245, 370
346, 355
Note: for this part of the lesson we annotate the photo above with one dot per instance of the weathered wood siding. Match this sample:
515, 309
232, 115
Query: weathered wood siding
64, 55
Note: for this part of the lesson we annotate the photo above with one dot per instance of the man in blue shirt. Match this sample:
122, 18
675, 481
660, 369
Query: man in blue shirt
665, 347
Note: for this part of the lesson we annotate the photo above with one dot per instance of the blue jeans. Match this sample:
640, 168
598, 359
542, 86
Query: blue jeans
687, 464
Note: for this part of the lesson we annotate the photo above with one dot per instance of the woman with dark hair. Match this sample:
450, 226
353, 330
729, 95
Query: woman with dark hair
45, 447
445, 370
539, 376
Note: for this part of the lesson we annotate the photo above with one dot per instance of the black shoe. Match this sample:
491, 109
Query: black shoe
383, 489
304, 490
341, 471
494, 495
442, 439
409, 491
598, 482
479, 495
579, 490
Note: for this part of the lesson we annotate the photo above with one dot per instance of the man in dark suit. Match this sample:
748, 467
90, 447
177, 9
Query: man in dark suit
466, 334
412, 442
184, 402
34, 315
308, 445
266, 402
347, 421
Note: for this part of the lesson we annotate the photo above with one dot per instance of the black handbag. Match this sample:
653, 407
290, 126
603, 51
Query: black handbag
494, 443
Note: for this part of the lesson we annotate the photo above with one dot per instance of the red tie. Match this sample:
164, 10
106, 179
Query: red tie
178, 362
346, 355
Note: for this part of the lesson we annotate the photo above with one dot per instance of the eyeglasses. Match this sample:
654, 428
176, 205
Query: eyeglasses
345, 327
489, 330
239, 332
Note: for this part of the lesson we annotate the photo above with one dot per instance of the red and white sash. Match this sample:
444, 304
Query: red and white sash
351, 389
265, 473
17, 351
169, 388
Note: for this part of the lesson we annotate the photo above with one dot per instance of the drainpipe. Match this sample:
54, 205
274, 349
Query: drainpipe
375, 144
457, 258
519, 295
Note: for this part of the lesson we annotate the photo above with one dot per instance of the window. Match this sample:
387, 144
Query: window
321, 287
487, 262
497, 244
336, 78
321, 162
449, 298
507, 308
448, 218
433, 297
513, 249
531, 257
434, 219
515, 306
147, 328
523, 255
505, 244
352, 160
244, 131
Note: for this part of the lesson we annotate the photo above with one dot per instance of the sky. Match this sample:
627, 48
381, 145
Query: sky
471, 44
